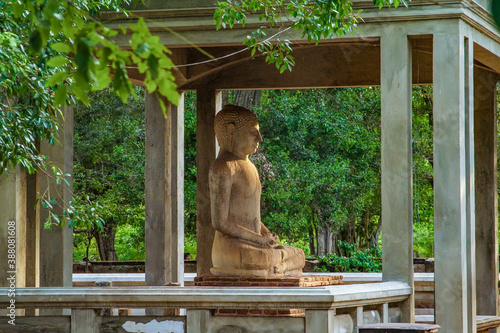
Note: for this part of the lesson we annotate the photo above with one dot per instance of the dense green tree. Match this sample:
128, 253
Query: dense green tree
54, 49
423, 175
109, 171
319, 164
55, 52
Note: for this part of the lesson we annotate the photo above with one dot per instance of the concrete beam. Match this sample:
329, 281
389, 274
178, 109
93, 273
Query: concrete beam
322, 66
208, 103
197, 26
453, 185
164, 192
397, 187
203, 298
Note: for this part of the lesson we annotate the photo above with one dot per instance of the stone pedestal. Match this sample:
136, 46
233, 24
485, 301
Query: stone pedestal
230, 281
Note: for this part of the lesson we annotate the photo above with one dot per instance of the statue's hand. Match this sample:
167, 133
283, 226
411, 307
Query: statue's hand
269, 239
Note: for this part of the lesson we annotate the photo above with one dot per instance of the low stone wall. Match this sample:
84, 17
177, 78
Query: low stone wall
421, 265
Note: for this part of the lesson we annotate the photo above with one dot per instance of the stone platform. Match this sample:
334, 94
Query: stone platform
230, 281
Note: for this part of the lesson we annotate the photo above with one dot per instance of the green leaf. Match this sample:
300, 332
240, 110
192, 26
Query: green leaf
151, 86
57, 61
168, 89
82, 56
60, 96
36, 42
56, 78
61, 47
102, 79
142, 48
69, 29
18, 9
142, 67
165, 62
163, 108
153, 66
80, 94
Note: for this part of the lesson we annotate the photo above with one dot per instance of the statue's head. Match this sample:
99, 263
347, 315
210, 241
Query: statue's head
237, 130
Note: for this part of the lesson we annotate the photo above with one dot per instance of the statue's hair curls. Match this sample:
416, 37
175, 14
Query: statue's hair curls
232, 114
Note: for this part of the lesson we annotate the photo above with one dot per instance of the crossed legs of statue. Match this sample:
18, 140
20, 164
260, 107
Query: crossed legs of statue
232, 257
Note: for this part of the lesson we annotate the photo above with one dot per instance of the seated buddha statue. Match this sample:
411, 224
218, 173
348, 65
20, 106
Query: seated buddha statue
243, 246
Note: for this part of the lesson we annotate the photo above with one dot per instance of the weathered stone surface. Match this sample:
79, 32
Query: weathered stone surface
257, 324
243, 246
232, 329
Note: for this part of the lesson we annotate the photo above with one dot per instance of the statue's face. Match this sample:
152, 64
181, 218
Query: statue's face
246, 140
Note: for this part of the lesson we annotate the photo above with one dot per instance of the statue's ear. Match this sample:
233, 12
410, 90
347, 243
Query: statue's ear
230, 129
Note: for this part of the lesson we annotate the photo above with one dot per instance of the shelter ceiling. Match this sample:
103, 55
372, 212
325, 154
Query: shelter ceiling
345, 63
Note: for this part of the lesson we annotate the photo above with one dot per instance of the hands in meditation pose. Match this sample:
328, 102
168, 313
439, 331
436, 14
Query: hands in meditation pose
243, 246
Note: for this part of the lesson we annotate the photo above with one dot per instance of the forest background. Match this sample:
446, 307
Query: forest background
319, 165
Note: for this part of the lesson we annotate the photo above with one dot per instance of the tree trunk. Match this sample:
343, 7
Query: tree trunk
106, 242
376, 235
322, 240
247, 98
312, 248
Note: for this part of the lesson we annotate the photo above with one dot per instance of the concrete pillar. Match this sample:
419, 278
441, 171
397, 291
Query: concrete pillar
470, 204
198, 321
357, 317
56, 245
164, 192
18, 217
12, 227
208, 103
485, 145
32, 271
27, 249
453, 180
84, 321
319, 321
397, 201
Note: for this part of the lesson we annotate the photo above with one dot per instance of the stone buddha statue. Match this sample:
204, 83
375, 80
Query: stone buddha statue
243, 246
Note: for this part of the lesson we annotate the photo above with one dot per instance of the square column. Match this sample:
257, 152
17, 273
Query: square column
485, 145
32, 271
397, 187
454, 226
164, 192
319, 321
12, 227
209, 102
56, 245
27, 250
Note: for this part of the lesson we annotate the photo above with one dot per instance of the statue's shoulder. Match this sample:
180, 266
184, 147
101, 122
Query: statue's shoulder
222, 167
